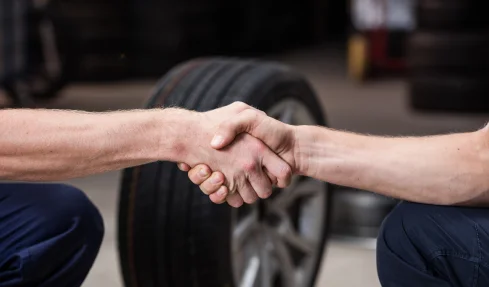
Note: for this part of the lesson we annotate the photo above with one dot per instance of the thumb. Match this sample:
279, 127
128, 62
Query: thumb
244, 122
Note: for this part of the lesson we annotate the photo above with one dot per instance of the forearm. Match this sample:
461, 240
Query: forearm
448, 169
42, 145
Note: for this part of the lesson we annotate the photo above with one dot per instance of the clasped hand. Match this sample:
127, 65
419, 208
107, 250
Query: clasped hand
249, 154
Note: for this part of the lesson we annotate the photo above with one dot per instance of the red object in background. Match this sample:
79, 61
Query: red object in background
380, 50
380, 29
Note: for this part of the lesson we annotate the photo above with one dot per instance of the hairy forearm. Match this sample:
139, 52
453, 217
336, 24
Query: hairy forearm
46, 145
446, 169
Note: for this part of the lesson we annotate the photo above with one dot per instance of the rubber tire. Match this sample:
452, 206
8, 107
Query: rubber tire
448, 52
359, 213
452, 15
51, 85
450, 93
169, 233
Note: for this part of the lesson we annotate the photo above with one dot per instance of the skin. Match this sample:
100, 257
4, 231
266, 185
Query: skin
51, 145
450, 169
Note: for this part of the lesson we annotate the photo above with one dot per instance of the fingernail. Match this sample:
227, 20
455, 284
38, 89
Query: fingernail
216, 179
222, 191
217, 140
203, 172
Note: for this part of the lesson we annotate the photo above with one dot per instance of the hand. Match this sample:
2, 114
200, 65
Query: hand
208, 181
250, 168
275, 134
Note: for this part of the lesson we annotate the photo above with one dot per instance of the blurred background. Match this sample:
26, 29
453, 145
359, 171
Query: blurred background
385, 67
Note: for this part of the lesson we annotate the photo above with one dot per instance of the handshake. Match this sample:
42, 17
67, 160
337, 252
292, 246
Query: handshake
237, 153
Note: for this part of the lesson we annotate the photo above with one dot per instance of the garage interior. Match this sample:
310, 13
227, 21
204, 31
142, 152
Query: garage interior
396, 93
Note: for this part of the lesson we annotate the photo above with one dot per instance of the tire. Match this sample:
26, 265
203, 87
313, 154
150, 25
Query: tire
448, 52
46, 61
165, 33
452, 15
169, 233
450, 93
359, 213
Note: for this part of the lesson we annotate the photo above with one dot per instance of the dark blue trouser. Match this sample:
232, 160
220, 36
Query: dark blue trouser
434, 246
50, 235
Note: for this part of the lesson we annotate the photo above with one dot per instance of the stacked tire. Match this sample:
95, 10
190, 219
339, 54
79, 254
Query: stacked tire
33, 61
448, 56
97, 38
165, 33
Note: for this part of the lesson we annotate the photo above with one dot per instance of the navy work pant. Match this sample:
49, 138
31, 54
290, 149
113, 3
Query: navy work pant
434, 246
50, 235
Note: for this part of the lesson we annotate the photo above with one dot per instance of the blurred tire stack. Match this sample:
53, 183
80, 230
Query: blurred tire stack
97, 37
164, 33
33, 59
110, 40
448, 56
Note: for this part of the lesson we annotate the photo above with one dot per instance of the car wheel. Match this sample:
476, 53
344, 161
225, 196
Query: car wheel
170, 234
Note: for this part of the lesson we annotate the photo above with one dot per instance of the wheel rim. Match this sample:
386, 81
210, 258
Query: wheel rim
278, 241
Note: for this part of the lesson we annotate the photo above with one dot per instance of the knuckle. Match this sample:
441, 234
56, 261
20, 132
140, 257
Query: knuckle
240, 105
249, 166
252, 113
250, 199
286, 171
266, 194
215, 199
194, 179
260, 147
234, 201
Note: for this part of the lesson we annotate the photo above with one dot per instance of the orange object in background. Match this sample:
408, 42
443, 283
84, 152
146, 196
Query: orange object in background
377, 42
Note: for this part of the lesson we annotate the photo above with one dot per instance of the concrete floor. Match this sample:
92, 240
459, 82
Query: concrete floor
377, 107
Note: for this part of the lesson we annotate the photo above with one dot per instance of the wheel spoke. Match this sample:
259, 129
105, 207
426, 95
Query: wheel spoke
245, 228
299, 242
304, 188
286, 265
308, 187
265, 267
251, 272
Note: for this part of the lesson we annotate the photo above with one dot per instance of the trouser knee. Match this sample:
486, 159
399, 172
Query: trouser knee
428, 245
52, 234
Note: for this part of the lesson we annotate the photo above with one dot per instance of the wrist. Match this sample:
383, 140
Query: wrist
176, 128
305, 143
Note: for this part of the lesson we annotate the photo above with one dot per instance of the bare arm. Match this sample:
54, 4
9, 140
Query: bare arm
45, 145
446, 169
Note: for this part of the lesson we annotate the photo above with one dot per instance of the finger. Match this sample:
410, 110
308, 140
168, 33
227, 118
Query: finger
199, 173
219, 196
183, 167
261, 184
245, 121
248, 194
277, 167
234, 200
273, 178
213, 183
